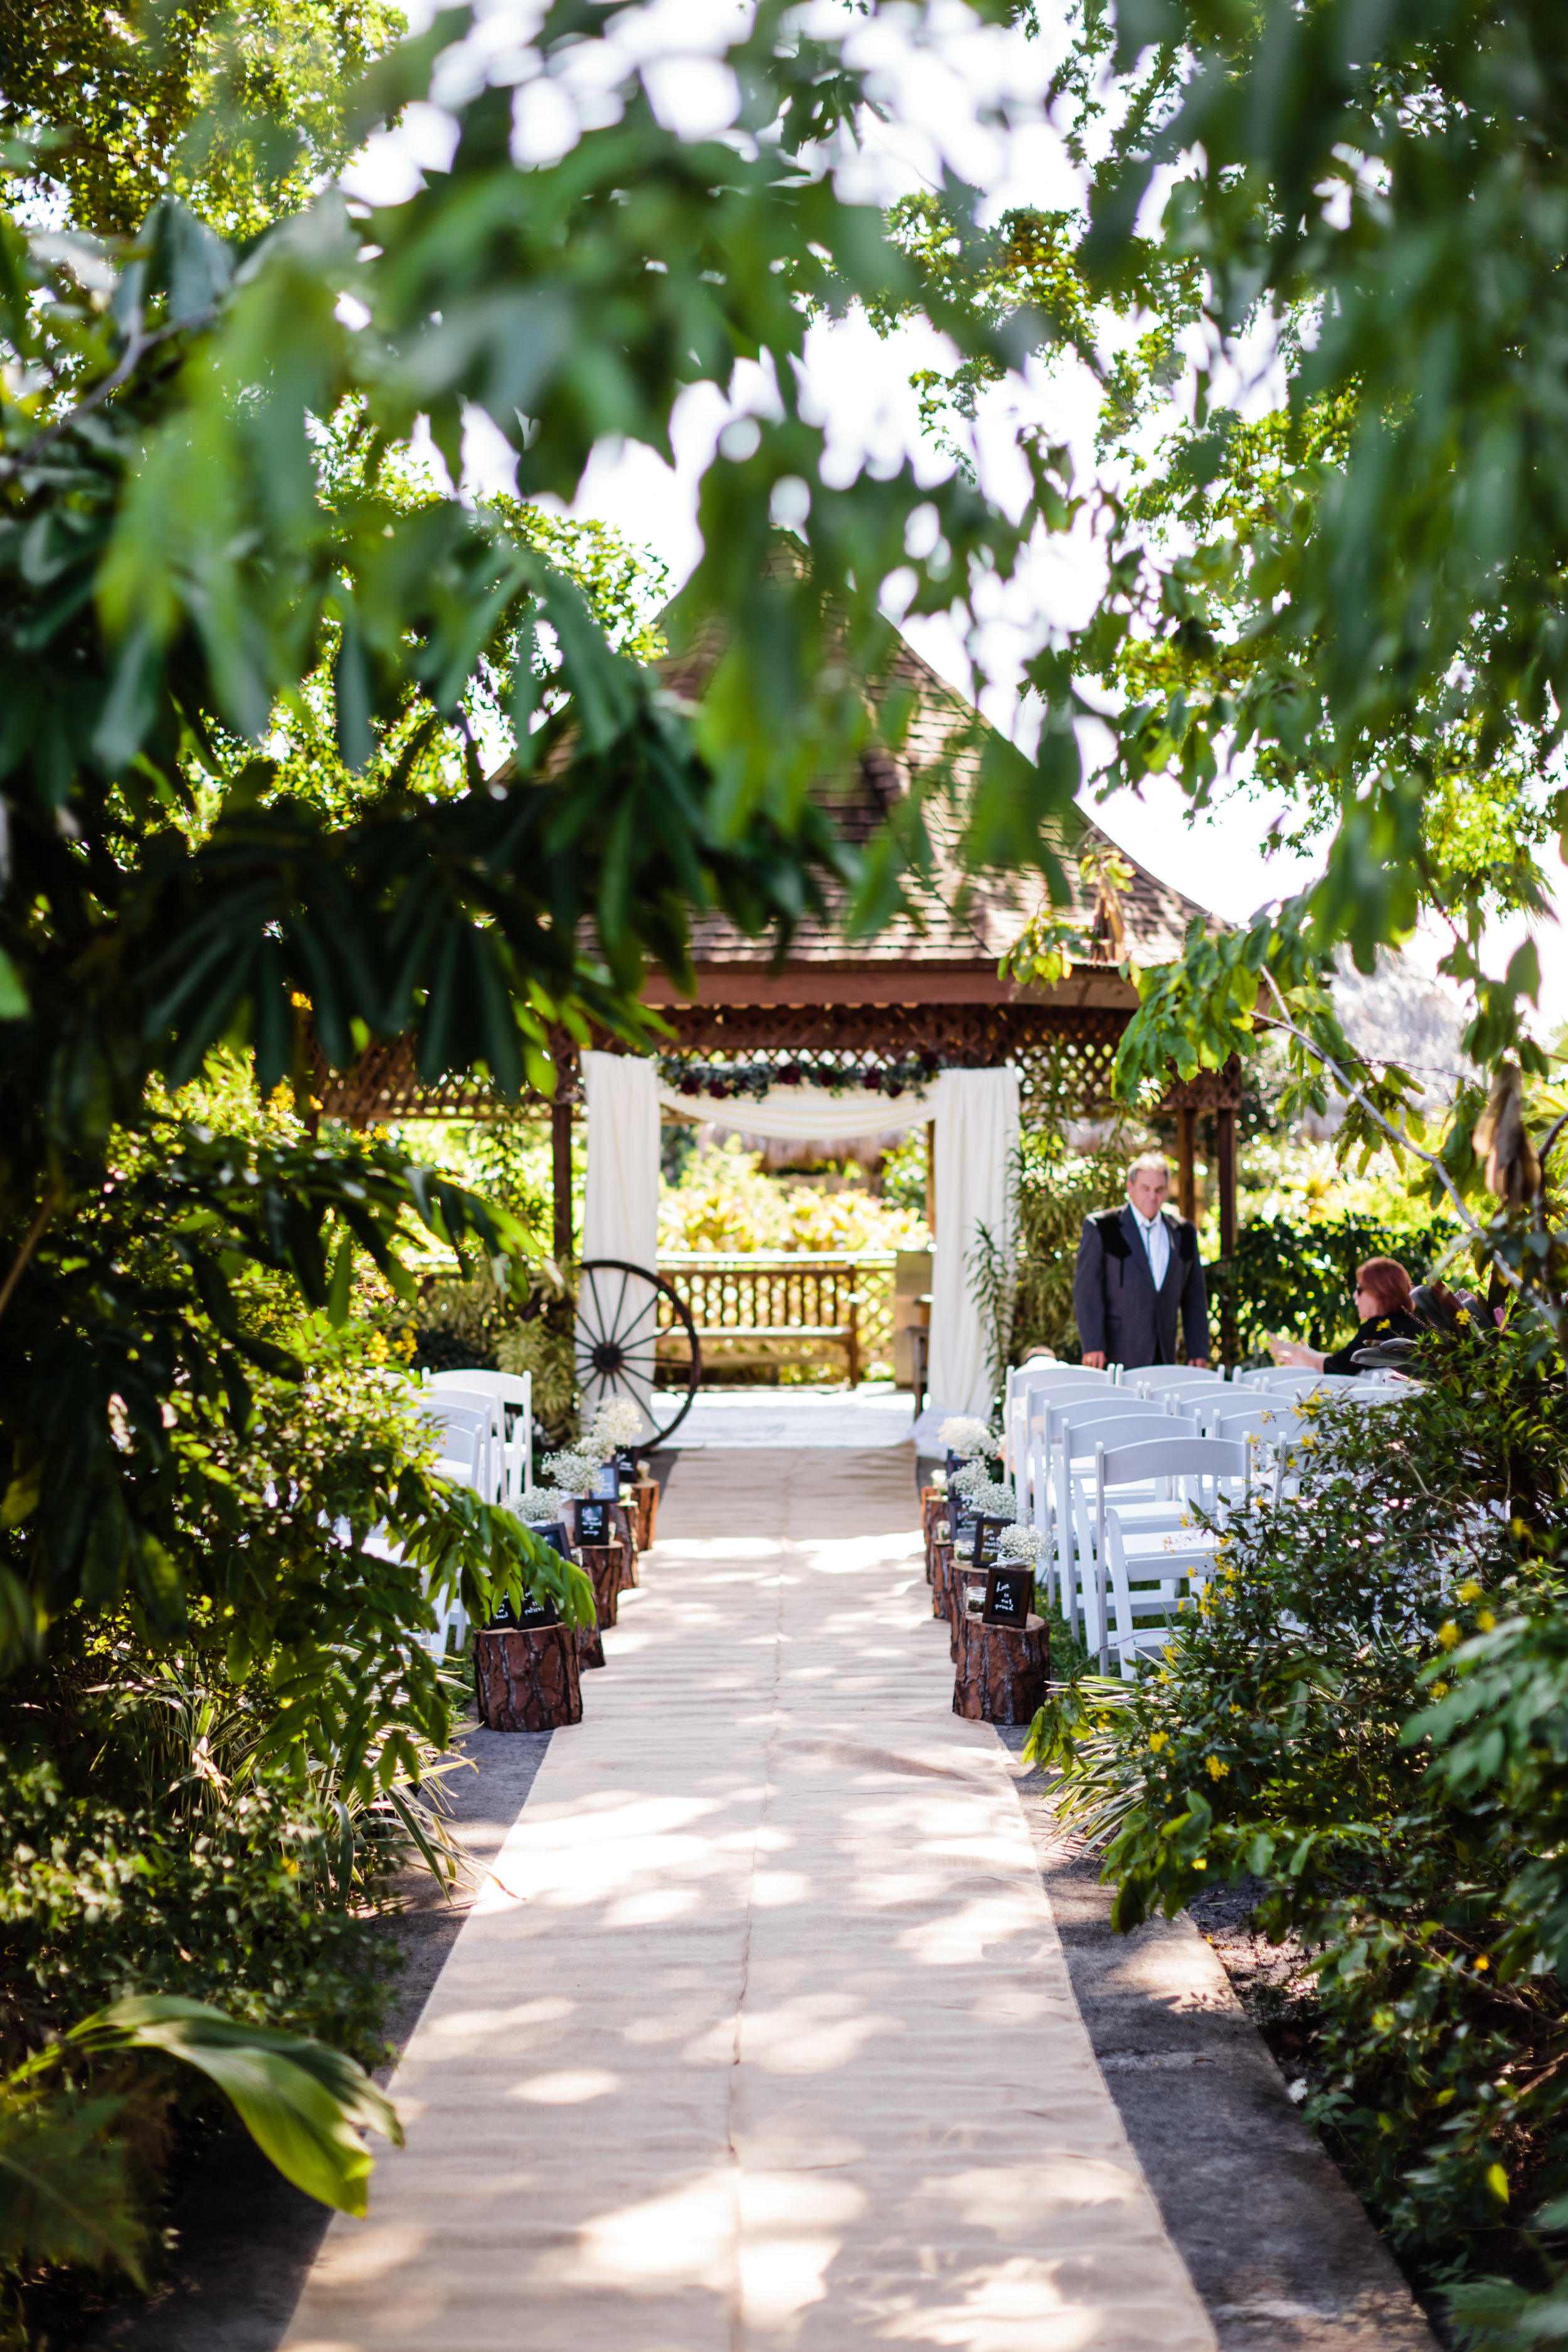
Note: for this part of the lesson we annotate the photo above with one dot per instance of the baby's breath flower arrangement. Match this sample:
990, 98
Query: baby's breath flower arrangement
616, 1424
1020, 1545
991, 1498
963, 1433
543, 1504
574, 1469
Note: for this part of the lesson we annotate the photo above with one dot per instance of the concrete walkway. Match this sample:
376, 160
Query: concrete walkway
770, 2044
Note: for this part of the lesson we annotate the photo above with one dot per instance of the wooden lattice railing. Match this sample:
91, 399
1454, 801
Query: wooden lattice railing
793, 1303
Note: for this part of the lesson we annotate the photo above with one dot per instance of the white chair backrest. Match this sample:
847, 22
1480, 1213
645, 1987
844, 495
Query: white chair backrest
1274, 1421
514, 1393
1164, 1376
452, 1408
1188, 1458
1071, 1420
1188, 1396
1293, 1379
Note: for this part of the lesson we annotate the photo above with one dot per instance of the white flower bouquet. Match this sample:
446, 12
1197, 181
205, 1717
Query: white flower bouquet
574, 1469
963, 1433
544, 1504
991, 1498
1020, 1544
616, 1424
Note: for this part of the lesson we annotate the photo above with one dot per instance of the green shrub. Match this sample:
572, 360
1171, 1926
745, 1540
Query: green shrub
1287, 1737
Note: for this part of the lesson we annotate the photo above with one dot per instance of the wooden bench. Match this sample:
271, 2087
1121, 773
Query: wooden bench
793, 1296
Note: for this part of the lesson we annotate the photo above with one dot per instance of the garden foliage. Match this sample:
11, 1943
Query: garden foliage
1299, 1277
1367, 1720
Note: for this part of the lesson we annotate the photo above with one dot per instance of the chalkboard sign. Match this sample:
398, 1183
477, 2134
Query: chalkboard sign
628, 1466
596, 1523
987, 1538
606, 1488
534, 1612
1009, 1595
962, 1524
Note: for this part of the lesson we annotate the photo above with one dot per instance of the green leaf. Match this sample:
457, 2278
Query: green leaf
299, 2101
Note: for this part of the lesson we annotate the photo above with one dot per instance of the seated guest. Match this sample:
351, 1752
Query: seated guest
1382, 1312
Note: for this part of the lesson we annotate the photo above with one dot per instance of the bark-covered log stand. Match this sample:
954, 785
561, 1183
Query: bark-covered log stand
963, 1578
644, 1499
1002, 1671
941, 1578
589, 1646
602, 1563
527, 1680
933, 1510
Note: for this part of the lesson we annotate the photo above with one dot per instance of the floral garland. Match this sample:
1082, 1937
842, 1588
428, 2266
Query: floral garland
720, 1081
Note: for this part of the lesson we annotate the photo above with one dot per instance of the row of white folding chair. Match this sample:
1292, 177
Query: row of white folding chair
513, 1395
1073, 1431
1138, 1572
1043, 1403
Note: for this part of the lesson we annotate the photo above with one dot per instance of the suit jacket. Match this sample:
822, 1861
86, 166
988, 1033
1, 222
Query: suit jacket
1118, 1309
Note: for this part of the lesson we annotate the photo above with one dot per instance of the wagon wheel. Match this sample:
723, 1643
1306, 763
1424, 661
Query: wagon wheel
617, 1326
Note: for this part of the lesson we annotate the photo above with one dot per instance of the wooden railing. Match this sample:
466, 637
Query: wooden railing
842, 1299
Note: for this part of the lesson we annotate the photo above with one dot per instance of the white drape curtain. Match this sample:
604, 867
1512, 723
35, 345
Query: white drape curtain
976, 1143
976, 1117
620, 1220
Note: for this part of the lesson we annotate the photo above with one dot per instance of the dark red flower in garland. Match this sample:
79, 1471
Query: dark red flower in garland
874, 1081
690, 1085
790, 1075
719, 1089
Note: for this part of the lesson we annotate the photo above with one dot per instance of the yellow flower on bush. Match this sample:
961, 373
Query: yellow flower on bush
1158, 1739
1485, 1620
1216, 1767
1447, 1635
1439, 1690
1482, 1963
1470, 1591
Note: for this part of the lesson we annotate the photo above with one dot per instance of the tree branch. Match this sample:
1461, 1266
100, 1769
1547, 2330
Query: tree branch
34, 1235
1353, 1093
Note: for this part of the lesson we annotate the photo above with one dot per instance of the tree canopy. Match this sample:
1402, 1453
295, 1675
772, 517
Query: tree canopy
211, 566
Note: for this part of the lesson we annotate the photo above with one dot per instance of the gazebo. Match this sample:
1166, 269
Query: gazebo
925, 991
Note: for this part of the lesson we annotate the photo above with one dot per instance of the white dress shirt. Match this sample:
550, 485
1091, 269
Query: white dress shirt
1156, 1235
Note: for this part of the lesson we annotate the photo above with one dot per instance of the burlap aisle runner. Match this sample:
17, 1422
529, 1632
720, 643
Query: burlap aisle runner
779, 2050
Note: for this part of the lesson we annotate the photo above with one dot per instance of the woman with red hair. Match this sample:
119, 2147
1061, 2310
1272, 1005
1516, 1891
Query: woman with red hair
1382, 1312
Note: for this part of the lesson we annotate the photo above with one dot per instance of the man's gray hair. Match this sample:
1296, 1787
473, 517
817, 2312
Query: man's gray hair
1153, 1163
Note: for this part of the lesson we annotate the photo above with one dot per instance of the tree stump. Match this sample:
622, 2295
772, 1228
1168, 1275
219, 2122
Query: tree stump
589, 1646
933, 1510
527, 1681
602, 1563
625, 1535
963, 1579
645, 1512
941, 1578
1002, 1671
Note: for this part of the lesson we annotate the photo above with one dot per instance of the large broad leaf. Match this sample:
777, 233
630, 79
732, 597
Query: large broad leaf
299, 2101
63, 2192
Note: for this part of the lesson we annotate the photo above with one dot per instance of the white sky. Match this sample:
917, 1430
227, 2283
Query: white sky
969, 96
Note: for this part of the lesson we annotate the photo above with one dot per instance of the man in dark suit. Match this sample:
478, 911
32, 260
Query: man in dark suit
1138, 1269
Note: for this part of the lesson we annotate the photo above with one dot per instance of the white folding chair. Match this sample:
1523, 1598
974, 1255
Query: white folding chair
1027, 1382
1293, 1379
1072, 1432
454, 1395
514, 1392
1152, 1377
1270, 1423
1074, 1385
1211, 1476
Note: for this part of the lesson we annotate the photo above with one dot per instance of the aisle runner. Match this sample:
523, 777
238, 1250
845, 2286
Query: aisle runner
779, 2049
